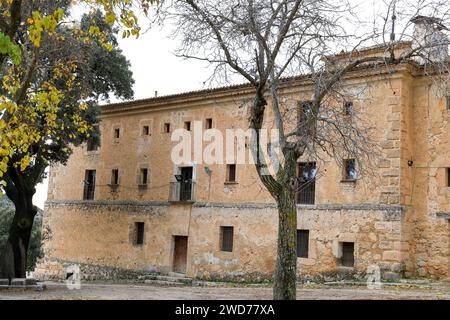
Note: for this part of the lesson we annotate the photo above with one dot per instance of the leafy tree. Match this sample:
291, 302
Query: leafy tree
49, 94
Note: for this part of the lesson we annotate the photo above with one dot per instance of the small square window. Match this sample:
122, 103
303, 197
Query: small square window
116, 133
115, 177
348, 108
139, 230
92, 144
302, 243
349, 170
187, 125
208, 124
348, 254
231, 173
226, 239
166, 127
144, 176
146, 130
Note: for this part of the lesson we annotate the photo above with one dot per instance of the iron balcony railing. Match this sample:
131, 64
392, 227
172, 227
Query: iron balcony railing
183, 191
307, 193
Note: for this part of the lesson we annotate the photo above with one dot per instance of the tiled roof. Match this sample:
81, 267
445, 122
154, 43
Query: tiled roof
188, 94
177, 96
204, 93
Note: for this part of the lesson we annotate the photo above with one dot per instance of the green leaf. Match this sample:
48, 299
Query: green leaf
7, 47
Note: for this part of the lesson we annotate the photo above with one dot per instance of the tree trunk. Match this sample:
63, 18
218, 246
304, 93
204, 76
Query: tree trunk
13, 261
283, 189
286, 268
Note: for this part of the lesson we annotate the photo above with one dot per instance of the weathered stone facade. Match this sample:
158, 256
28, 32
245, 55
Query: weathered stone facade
375, 229
397, 218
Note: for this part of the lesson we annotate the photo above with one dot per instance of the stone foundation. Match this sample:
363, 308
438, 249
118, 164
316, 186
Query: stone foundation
54, 269
98, 237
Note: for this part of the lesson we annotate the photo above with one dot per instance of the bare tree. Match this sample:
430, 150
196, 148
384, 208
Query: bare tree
268, 41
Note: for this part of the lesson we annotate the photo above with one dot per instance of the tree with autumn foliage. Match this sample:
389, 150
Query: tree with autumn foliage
53, 73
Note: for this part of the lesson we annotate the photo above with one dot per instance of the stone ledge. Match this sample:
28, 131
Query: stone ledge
368, 206
140, 204
105, 203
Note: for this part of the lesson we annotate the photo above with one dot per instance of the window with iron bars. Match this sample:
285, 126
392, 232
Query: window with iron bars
302, 243
307, 183
139, 229
226, 239
348, 254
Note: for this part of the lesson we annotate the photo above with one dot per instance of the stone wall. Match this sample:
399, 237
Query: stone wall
98, 234
410, 120
428, 187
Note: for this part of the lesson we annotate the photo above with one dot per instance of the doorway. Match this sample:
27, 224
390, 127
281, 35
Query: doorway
180, 254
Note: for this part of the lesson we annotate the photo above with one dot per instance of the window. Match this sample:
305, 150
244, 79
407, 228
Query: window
166, 127
304, 110
349, 170
115, 177
302, 243
187, 125
139, 229
231, 173
208, 124
348, 108
89, 185
307, 183
146, 130
144, 176
448, 102
92, 144
226, 239
348, 254
116, 133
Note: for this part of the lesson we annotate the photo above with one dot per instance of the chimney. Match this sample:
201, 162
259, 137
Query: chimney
429, 39
156, 94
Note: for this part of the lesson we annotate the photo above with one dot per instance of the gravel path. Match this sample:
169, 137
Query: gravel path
151, 292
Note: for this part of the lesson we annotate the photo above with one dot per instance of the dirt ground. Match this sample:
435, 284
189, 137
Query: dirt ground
91, 291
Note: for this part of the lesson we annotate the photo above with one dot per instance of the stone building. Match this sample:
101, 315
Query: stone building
124, 207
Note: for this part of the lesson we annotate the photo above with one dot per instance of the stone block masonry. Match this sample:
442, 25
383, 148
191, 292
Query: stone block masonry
394, 216
106, 250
